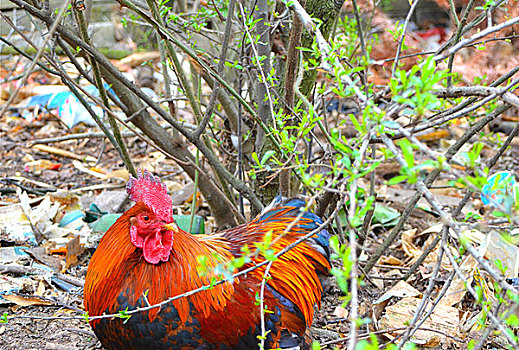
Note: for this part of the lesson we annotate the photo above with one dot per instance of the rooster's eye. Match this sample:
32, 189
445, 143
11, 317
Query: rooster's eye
145, 218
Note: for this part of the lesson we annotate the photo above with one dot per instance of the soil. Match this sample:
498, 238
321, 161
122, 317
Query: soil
58, 334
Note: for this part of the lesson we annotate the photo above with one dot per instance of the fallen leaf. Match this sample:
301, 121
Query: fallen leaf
400, 290
120, 174
74, 249
390, 260
340, 312
444, 318
41, 289
138, 58
458, 287
434, 135
25, 300
407, 244
40, 255
62, 153
377, 281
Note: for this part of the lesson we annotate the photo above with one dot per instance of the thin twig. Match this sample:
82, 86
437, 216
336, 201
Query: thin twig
428, 181
219, 69
262, 307
401, 41
457, 37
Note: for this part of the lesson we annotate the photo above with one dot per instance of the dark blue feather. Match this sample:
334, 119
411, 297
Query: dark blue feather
321, 240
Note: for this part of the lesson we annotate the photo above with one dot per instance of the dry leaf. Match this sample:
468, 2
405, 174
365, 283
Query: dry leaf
41, 289
25, 300
84, 168
458, 289
390, 260
341, 312
40, 255
400, 290
377, 281
120, 174
434, 135
138, 58
74, 249
444, 318
62, 153
407, 244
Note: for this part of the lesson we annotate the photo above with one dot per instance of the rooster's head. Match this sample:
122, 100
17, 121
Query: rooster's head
152, 227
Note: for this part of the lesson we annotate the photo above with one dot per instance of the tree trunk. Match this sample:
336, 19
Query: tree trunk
265, 190
328, 12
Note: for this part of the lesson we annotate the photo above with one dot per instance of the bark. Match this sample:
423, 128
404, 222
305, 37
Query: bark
285, 183
328, 12
265, 188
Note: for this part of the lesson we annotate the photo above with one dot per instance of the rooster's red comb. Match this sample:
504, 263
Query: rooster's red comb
148, 189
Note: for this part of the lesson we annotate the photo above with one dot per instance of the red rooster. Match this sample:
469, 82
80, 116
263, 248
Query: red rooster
144, 259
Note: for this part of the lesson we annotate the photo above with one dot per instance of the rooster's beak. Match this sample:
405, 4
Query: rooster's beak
170, 227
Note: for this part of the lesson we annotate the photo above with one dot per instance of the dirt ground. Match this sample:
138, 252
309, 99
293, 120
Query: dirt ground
46, 334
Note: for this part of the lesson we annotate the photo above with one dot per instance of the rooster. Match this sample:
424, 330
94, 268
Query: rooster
145, 258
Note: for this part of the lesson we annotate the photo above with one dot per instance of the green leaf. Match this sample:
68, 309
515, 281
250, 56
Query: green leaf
334, 243
266, 157
255, 158
355, 122
407, 151
393, 85
385, 215
397, 179
403, 79
428, 68
342, 217
409, 346
3, 318
124, 315
512, 320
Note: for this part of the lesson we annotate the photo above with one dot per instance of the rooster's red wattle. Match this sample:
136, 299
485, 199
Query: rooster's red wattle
144, 258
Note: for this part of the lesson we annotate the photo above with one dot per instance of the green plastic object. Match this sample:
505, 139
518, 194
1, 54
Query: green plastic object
198, 223
104, 222
107, 220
